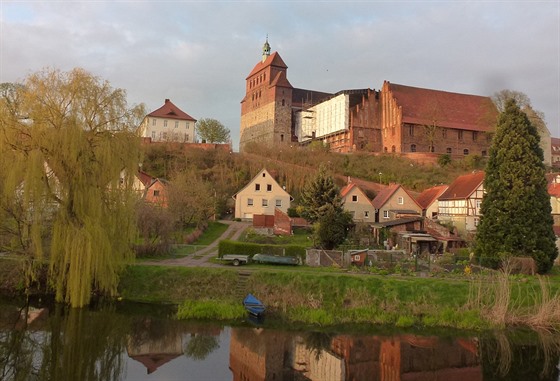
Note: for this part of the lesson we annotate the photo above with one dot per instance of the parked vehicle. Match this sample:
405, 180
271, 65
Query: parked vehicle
275, 259
254, 306
236, 259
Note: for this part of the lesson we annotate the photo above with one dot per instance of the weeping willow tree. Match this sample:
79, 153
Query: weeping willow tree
69, 156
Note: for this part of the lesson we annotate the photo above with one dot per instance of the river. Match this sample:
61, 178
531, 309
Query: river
125, 341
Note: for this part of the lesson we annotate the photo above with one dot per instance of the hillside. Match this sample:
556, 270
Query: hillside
228, 172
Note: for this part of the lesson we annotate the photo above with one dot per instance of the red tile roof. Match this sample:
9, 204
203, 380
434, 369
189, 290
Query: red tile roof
555, 143
451, 110
553, 186
428, 196
463, 186
272, 60
347, 188
145, 178
170, 111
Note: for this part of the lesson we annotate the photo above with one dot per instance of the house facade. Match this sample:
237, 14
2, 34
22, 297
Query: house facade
260, 197
460, 203
357, 203
393, 203
168, 124
428, 200
156, 193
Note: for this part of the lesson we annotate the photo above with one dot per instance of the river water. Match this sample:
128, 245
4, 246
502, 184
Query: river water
126, 341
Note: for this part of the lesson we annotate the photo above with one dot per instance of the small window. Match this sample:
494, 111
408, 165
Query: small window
393, 149
411, 130
156, 192
385, 214
465, 152
354, 198
187, 125
153, 122
460, 134
279, 203
474, 136
283, 102
264, 202
249, 202
153, 135
476, 221
366, 213
176, 124
269, 187
444, 132
257, 187
400, 200
484, 154
449, 150
413, 148
165, 123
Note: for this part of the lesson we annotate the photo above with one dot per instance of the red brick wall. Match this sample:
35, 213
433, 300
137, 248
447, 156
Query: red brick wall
282, 223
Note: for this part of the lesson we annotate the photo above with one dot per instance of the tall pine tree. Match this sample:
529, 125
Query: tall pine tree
323, 206
516, 212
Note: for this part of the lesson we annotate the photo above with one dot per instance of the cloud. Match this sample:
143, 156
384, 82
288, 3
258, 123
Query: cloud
199, 53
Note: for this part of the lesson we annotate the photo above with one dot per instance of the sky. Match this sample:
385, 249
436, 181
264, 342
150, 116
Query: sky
198, 53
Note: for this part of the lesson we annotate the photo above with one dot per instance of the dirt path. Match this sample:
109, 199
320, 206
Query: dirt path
201, 257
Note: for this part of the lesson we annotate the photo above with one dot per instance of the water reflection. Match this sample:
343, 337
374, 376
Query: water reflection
118, 343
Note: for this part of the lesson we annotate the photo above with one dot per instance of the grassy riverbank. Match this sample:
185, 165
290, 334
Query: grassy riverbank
310, 296
325, 299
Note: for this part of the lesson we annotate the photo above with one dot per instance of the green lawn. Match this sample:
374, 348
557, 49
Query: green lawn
301, 237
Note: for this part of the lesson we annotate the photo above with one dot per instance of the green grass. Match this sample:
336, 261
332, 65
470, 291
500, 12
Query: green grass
212, 233
210, 309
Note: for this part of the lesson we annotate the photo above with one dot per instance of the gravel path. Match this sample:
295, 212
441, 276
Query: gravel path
201, 257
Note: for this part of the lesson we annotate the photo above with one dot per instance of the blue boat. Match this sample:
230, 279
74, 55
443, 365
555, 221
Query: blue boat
253, 305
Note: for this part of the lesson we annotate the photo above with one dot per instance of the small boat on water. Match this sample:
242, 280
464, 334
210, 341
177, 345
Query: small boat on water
253, 305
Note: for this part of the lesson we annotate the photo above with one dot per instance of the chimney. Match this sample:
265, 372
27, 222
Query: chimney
166, 100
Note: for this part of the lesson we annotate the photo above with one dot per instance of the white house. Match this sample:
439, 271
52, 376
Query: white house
168, 124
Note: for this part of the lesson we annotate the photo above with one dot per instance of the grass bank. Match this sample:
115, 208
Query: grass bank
326, 299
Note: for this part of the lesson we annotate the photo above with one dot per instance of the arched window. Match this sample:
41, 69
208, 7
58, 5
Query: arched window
283, 102
393, 149
465, 152
413, 148
385, 149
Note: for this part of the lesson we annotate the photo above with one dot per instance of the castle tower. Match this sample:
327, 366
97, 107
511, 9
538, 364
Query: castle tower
266, 109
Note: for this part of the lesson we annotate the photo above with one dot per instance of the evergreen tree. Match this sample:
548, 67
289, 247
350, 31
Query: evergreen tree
322, 206
516, 212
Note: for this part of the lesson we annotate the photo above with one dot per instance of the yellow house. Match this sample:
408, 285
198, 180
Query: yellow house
357, 203
261, 196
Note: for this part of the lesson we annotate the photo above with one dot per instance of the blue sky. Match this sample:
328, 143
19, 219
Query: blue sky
198, 53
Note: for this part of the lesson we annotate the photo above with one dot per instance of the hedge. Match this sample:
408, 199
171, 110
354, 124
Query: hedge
248, 248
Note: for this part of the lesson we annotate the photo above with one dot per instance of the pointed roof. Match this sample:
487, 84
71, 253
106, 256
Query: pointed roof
428, 196
463, 186
451, 110
144, 178
260, 175
385, 194
170, 111
272, 60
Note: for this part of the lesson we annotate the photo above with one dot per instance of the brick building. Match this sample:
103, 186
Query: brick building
396, 119
266, 109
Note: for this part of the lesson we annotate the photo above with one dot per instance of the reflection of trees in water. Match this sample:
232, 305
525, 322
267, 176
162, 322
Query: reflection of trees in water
75, 344
200, 346
520, 355
318, 342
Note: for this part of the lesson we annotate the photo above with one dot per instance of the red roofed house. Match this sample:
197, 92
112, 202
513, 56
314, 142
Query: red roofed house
266, 109
423, 120
393, 203
168, 124
460, 203
357, 203
428, 200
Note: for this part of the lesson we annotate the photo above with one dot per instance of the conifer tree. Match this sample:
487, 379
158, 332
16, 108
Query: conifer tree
69, 154
322, 206
516, 211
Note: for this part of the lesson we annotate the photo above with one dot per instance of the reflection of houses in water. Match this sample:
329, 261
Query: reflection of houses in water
267, 355
155, 353
156, 343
